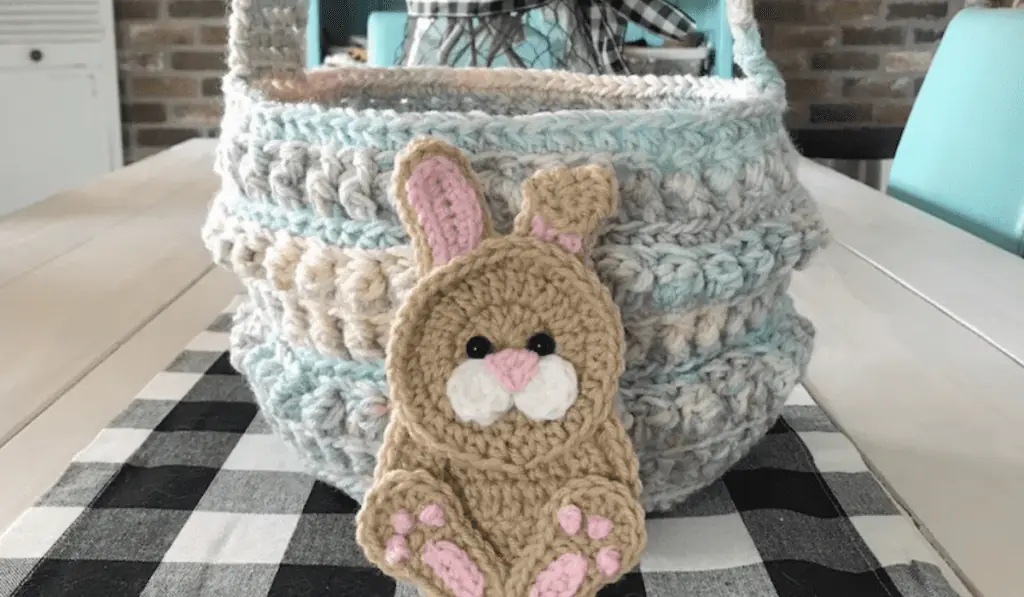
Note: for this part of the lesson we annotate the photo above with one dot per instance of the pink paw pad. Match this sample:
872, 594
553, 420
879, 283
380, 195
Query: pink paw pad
402, 521
396, 550
562, 578
608, 561
453, 566
570, 518
432, 515
598, 527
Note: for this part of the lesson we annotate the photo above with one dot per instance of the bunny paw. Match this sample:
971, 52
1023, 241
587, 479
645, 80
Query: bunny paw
413, 528
589, 535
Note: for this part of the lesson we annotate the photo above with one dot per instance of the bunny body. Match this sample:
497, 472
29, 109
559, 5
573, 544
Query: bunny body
504, 471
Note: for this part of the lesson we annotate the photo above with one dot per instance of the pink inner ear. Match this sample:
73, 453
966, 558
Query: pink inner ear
570, 241
447, 207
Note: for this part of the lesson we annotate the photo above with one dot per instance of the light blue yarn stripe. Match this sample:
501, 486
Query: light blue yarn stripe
302, 221
691, 154
652, 133
669, 278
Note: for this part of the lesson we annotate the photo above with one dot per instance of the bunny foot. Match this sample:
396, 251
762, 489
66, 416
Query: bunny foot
589, 534
413, 527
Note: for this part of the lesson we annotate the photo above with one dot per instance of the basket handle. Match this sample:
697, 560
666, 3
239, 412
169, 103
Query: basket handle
748, 49
267, 37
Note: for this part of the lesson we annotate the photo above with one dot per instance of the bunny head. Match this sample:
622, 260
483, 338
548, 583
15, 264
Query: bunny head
508, 352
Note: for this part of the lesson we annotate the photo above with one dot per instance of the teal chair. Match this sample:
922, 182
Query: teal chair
961, 156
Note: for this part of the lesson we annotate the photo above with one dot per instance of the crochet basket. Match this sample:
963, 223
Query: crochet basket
712, 221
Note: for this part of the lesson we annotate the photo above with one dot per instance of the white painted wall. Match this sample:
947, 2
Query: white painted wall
59, 110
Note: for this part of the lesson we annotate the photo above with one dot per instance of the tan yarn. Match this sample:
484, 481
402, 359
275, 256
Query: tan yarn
502, 486
573, 200
404, 166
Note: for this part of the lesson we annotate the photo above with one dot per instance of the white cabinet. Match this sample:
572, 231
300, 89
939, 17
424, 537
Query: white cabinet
59, 111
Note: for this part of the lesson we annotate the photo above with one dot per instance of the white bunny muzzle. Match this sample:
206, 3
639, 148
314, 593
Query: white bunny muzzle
542, 388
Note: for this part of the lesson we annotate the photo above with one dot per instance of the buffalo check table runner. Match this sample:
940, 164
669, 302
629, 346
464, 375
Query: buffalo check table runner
188, 494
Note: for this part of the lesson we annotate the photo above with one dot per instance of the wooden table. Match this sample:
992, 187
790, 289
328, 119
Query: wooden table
100, 288
919, 356
920, 359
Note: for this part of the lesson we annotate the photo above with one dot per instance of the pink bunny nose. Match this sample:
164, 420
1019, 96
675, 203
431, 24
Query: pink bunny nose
514, 367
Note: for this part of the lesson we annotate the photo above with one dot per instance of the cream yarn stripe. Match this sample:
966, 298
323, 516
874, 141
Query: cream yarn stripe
667, 339
341, 301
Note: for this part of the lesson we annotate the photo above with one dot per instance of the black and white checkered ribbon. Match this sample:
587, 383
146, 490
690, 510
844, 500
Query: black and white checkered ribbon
469, 8
605, 21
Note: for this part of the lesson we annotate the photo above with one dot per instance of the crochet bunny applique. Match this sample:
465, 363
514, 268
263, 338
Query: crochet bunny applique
504, 471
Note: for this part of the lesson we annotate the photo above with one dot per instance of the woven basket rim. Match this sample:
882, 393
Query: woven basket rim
330, 88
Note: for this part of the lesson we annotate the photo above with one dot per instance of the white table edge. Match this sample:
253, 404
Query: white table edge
865, 220
935, 303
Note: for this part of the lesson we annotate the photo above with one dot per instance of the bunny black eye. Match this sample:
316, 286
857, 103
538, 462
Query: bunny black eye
541, 343
478, 347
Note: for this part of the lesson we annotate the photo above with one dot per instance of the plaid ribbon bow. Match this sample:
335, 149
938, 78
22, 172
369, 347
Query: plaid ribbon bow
608, 20
603, 21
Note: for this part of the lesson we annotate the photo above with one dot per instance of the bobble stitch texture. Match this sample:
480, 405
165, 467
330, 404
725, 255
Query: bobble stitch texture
711, 222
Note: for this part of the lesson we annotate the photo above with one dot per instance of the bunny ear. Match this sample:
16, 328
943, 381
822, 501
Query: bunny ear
440, 202
566, 205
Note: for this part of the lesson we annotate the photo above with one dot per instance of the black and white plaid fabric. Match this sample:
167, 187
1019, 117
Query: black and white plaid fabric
469, 8
604, 21
188, 494
608, 20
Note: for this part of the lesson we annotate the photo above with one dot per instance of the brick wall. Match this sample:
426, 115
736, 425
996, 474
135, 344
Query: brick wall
171, 57
852, 62
847, 62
